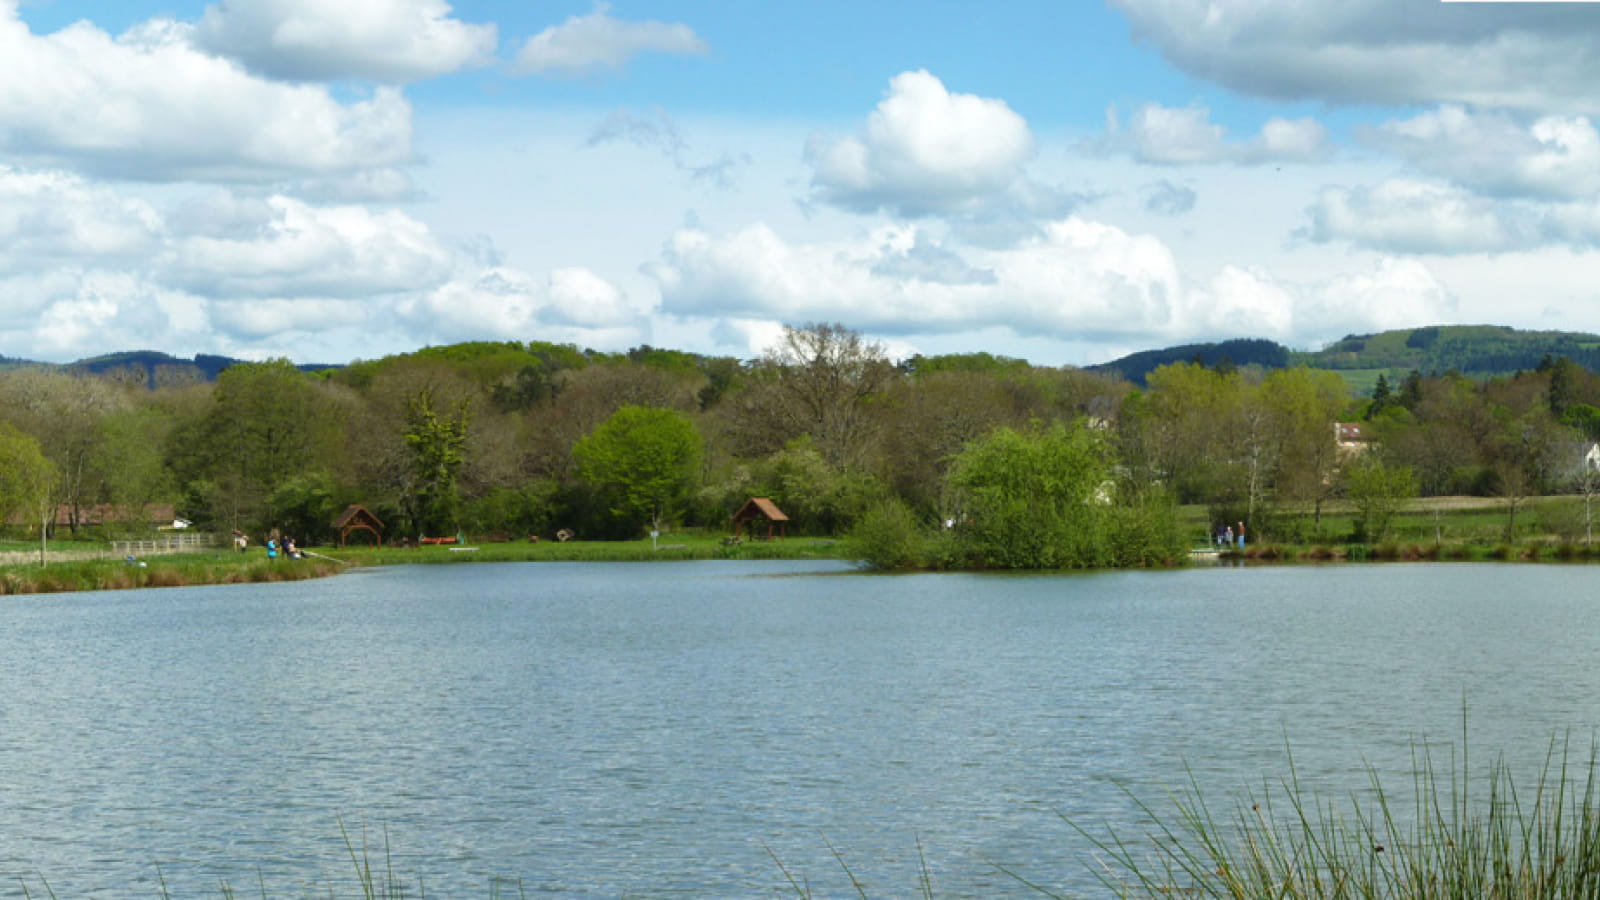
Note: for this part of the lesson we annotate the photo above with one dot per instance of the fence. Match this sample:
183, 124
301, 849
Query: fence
167, 544
178, 542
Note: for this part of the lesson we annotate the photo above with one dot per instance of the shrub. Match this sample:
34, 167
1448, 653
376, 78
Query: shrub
887, 536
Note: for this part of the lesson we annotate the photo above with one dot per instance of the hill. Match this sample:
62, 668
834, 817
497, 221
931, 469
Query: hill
1477, 350
153, 366
1237, 352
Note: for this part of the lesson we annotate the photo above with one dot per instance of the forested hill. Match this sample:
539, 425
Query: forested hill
1475, 350
1468, 349
1478, 350
155, 368
1238, 352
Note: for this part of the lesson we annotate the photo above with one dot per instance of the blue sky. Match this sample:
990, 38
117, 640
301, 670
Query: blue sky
1064, 182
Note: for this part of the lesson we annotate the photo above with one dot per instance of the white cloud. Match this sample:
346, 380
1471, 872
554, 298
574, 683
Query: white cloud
571, 305
72, 312
1165, 135
1396, 293
52, 218
925, 151
1555, 157
261, 319
1539, 57
315, 40
304, 250
598, 41
1406, 216
148, 105
1079, 280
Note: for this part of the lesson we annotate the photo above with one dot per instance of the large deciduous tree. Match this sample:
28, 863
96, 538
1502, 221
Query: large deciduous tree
1034, 499
643, 462
826, 373
27, 478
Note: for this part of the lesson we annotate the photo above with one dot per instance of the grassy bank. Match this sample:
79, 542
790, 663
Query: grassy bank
229, 567
1393, 551
213, 567
668, 547
1544, 529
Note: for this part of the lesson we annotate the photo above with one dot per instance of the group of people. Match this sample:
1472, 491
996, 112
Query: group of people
287, 548
1226, 536
290, 551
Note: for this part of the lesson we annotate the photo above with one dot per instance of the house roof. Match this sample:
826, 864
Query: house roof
1351, 432
760, 507
102, 513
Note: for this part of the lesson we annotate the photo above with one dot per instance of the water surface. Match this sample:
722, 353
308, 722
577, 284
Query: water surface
649, 730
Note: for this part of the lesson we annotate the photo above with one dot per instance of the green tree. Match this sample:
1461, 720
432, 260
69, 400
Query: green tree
1034, 499
644, 463
438, 447
1305, 404
1382, 397
27, 478
1378, 490
266, 424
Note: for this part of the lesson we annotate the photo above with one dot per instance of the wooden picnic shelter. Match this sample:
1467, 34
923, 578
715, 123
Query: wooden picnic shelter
756, 509
358, 518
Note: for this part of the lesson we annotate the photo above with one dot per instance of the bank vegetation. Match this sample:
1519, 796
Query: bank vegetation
967, 460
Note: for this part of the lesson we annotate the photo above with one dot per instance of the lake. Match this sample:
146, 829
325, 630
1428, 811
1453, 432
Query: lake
667, 729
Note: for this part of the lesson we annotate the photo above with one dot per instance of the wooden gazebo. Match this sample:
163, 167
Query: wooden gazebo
756, 509
358, 518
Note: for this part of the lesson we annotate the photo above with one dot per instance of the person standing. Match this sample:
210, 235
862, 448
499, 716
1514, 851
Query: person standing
1241, 536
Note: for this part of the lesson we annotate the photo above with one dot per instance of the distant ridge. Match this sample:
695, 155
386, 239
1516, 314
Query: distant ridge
1238, 352
1477, 350
156, 367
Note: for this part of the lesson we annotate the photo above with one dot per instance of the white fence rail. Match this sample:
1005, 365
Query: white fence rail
183, 542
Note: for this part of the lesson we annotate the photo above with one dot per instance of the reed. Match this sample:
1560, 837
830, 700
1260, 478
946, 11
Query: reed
1444, 841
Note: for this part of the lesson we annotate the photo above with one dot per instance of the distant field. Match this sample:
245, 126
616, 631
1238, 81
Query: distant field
1362, 381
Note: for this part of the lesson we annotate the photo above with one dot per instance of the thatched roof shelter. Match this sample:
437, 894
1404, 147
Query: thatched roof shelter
757, 509
358, 518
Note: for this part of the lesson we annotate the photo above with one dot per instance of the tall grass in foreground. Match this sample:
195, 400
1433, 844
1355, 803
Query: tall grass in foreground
1445, 842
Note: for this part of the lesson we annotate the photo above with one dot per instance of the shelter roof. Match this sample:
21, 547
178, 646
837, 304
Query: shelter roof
760, 507
358, 515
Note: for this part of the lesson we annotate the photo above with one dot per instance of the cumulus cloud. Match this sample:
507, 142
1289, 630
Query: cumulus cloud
55, 218
1555, 157
85, 269
149, 105
305, 250
74, 312
1165, 135
1078, 280
599, 41
1406, 216
314, 40
573, 305
925, 151
1538, 57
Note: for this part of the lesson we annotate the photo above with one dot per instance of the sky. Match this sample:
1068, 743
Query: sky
1065, 182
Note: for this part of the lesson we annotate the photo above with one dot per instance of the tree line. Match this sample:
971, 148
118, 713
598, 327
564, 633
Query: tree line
1006, 463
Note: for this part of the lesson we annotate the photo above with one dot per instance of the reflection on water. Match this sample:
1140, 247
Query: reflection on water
606, 730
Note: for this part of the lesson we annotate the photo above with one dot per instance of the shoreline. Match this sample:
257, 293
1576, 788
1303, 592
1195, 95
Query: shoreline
229, 567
